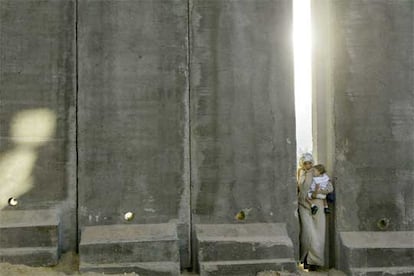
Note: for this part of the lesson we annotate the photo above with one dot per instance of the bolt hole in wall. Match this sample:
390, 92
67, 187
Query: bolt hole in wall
129, 216
383, 223
13, 202
242, 215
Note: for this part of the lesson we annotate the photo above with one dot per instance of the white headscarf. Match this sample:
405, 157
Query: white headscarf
306, 157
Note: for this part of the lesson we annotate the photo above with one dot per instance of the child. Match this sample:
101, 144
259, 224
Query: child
320, 182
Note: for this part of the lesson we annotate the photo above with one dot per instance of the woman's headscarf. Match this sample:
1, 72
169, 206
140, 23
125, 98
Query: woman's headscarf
306, 157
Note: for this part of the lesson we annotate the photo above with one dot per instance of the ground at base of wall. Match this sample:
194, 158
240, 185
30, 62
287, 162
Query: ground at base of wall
69, 263
302, 272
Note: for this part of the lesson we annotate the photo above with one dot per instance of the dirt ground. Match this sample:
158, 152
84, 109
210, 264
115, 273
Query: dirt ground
69, 263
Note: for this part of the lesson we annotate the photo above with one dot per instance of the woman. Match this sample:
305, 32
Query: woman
312, 236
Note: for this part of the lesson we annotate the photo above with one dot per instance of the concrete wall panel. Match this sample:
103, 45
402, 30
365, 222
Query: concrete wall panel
37, 108
242, 112
373, 80
133, 120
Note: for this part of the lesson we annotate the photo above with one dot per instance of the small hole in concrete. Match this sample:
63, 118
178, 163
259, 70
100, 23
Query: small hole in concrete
128, 216
241, 215
12, 201
383, 223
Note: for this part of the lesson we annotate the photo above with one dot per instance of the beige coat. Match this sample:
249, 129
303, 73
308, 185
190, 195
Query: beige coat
312, 235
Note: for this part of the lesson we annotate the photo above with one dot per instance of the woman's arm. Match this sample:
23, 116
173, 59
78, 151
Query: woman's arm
329, 189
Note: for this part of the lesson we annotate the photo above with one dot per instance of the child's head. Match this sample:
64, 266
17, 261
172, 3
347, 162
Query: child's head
319, 169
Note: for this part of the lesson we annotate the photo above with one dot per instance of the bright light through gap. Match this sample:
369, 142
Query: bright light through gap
302, 44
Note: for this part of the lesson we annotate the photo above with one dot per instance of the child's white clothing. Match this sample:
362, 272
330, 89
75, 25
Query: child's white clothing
323, 182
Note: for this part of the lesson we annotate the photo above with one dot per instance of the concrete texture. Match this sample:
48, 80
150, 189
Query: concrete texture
243, 249
147, 249
322, 107
226, 242
373, 78
140, 81
381, 271
245, 267
141, 269
133, 118
29, 237
33, 256
242, 112
129, 243
29, 229
363, 108
67, 266
37, 77
363, 252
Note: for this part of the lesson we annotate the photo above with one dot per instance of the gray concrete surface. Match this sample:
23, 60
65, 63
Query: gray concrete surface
373, 251
140, 269
242, 112
37, 72
144, 107
133, 118
129, 243
245, 267
364, 99
27, 228
226, 242
146, 249
68, 262
243, 249
30, 237
32, 256
373, 114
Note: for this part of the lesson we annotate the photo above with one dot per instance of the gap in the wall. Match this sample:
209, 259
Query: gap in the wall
302, 48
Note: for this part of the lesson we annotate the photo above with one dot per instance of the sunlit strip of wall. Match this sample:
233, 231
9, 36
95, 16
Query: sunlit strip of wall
302, 44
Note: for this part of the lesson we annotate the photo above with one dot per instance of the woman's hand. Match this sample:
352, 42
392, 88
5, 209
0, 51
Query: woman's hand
319, 191
323, 192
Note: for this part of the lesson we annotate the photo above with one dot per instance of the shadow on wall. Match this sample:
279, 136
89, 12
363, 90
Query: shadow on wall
29, 130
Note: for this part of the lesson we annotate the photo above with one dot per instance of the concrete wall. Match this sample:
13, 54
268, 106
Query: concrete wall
323, 133
372, 80
133, 113
37, 108
136, 87
322, 84
242, 112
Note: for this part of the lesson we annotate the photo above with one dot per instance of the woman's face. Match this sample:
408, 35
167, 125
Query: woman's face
307, 165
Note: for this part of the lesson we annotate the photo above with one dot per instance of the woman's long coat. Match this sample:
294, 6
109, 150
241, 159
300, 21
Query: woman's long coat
312, 235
